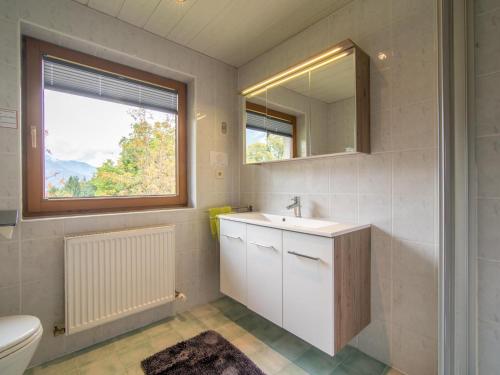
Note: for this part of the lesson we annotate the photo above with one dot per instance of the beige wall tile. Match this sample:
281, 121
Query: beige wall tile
10, 297
376, 339
381, 298
487, 109
414, 261
488, 294
408, 350
487, 32
375, 174
344, 175
414, 126
488, 159
9, 265
488, 347
414, 306
375, 209
414, 173
482, 6
344, 207
488, 217
413, 218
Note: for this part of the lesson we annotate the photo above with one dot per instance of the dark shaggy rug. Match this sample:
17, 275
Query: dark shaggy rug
208, 353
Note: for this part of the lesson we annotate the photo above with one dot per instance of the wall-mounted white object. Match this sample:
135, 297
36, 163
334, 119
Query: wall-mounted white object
218, 159
8, 221
115, 274
21, 335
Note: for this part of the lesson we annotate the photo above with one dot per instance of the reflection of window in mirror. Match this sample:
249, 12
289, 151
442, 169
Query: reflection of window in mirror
270, 134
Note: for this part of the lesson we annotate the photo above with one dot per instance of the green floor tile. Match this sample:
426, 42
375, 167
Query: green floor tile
314, 361
290, 346
363, 364
251, 322
230, 308
268, 333
345, 352
342, 370
224, 303
236, 312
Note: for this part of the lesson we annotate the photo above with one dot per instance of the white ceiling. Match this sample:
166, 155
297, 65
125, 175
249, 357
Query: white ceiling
233, 31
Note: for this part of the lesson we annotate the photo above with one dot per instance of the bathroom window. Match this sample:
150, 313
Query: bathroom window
270, 134
99, 136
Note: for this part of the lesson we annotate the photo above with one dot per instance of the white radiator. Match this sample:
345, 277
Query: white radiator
114, 274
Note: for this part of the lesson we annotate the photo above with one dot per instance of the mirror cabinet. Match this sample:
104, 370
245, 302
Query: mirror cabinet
318, 107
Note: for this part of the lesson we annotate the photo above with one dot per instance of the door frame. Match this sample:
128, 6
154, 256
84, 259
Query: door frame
457, 348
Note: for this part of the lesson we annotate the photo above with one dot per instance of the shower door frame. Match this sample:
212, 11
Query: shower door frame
457, 350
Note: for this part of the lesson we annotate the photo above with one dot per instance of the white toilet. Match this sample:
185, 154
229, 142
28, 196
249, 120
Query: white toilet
19, 338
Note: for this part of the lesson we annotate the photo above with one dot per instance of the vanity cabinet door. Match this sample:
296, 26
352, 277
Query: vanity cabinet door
233, 266
308, 288
264, 272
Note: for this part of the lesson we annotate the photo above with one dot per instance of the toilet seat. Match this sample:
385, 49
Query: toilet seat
18, 331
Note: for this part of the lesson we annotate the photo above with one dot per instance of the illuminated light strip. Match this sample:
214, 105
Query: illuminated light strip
291, 70
298, 74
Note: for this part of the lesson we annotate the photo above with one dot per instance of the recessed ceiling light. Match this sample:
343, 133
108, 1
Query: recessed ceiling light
180, 1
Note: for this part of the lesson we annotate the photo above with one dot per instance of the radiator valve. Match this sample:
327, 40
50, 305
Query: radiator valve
180, 296
59, 329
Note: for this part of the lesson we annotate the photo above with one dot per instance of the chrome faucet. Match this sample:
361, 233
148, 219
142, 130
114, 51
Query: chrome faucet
296, 206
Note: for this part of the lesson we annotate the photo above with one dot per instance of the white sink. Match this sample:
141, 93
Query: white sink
296, 224
288, 220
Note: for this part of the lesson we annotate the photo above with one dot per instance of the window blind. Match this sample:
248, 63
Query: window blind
260, 122
75, 79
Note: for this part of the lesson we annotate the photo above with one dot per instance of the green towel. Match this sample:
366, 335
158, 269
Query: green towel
213, 214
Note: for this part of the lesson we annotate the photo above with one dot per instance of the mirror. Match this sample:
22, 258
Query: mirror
320, 107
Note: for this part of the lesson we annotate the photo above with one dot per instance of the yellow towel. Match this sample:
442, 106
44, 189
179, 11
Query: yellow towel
214, 220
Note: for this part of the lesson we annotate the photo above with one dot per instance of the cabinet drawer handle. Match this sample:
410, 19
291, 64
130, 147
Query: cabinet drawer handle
233, 237
303, 255
261, 245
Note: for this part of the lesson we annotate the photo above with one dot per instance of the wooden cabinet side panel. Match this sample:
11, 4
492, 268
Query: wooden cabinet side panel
352, 258
362, 63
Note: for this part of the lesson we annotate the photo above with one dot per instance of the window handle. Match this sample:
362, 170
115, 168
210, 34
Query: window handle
33, 136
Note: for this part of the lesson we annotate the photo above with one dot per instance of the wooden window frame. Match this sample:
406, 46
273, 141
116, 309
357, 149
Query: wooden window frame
268, 112
34, 202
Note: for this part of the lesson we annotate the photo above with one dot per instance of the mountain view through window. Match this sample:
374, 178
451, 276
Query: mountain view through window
101, 148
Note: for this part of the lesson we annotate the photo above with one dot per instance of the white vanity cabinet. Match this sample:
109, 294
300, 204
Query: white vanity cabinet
308, 288
233, 260
264, 272
314, 286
